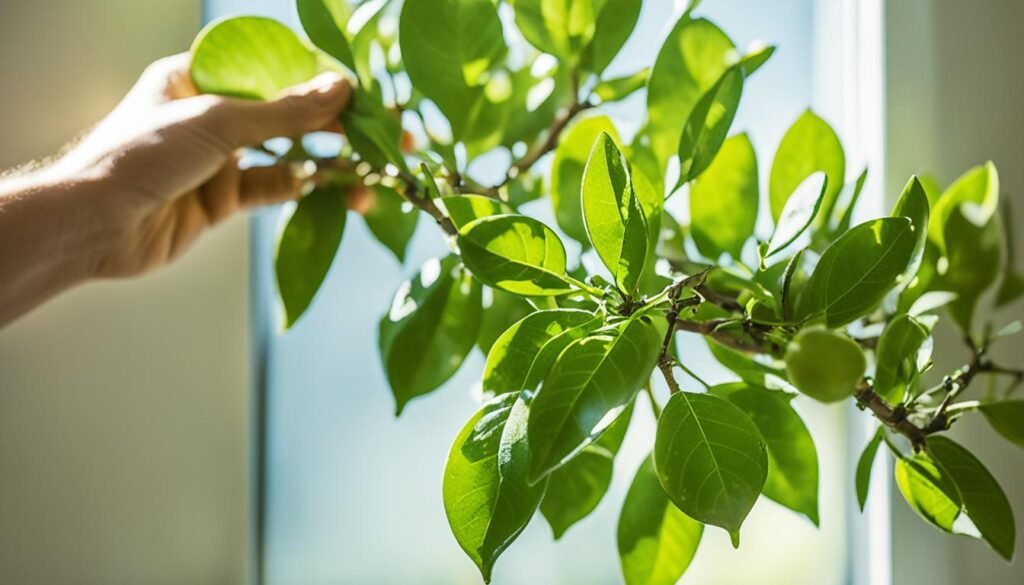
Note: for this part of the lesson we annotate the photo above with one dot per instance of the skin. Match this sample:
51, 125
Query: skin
159, 171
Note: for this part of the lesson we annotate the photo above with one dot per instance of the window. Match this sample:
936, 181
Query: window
352, 495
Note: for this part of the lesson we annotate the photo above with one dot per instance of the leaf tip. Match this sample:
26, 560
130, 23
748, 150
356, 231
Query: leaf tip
734, 537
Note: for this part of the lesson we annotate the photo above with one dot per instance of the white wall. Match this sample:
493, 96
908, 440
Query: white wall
955, 89
124, 406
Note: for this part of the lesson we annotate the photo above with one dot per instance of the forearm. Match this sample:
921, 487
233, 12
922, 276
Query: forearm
50, 238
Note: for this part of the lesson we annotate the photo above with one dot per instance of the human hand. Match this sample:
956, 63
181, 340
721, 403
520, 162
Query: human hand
163, 165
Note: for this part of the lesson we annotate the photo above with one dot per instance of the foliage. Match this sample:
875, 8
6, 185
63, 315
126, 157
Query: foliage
817, 306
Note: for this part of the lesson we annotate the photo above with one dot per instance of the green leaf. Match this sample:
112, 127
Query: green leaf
1007, 418
523, 354
928, 490
743, 365
307, 248
431, 327
613, 216
857, 271
325, 21
486, 497
691, 61
615, 23
898, 361
551, 25
464, 209
591, 381
825, 365
613, 90
851, 195
973, 253
792, 457
390, 222
447, 46
864, 466
362, 42
913, 204
983, 500
1012, 286
656, 540
250, 57
504, 311
810, 145
799, 212
708, 125
979, 189
723, 201
711, 459
753, 61
374, 132
576, 488
567, 168
516, 254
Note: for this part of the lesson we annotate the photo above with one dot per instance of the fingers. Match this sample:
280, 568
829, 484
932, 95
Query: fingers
304, 108
269, 185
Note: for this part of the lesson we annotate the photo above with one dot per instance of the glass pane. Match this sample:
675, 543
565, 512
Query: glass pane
354, 495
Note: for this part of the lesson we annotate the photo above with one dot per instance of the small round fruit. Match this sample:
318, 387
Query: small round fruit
825, 365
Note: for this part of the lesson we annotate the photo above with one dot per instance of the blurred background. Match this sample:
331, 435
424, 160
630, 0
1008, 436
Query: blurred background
162, 431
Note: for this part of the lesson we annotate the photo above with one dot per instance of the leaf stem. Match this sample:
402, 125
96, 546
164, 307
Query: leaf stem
655, 407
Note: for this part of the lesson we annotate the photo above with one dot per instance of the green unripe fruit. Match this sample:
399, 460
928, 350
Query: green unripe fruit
825, 365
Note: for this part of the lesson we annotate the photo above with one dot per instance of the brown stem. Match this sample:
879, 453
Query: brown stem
524, 164
665, 359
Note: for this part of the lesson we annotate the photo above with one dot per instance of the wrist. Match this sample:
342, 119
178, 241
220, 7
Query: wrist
55, 224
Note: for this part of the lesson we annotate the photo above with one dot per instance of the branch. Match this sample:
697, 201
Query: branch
554, 133
665, 359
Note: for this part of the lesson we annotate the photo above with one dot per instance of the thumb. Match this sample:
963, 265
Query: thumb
301, 109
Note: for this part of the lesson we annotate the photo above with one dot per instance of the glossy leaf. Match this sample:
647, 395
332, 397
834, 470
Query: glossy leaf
576, 488
711, 459
825, 365
325, 21
431, 327
614, 24
810, 145
447, 46
743, 365
913, 204
898, 363
1007, 418
656, 540
792, 457
523, 354
567, 173
799, 212
928, 490
857, 271
691, 61
250, 57
307, 248
515, 253
612, 90
503, 311
708, 125
613, 216
374, 132
591, 381
979, 189
486, 497
849, 196
464, 209
983, 500
390, 221
724, 200
974, 255
864, 466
